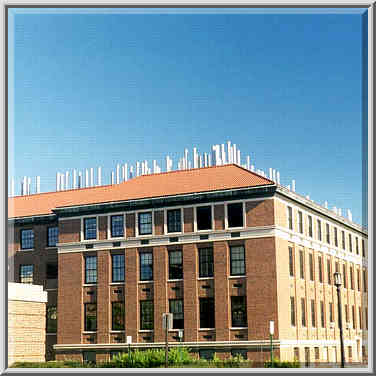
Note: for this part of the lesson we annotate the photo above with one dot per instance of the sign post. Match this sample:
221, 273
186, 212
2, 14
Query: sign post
271, 331
166, 325
129, 341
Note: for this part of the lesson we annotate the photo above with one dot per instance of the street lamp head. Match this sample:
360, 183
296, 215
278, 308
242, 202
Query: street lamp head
337, 279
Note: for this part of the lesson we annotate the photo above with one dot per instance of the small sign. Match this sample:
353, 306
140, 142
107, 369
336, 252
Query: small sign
167, 321
271, 327
129, 340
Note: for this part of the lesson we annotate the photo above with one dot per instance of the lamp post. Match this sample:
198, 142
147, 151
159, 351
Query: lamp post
271, 332
338, 283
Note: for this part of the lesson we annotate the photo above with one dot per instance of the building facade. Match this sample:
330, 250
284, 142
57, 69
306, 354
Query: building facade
222, 248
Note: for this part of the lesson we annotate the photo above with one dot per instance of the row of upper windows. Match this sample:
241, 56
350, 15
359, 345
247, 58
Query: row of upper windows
175, 265
206, 309
27, 237
204, 216
319, 232
320, 270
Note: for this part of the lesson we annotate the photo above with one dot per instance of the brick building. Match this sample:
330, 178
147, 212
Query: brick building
224, 249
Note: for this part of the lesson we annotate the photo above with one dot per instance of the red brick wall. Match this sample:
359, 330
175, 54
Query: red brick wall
69, 230
159, 222
130, 225
103, 307
131, 293
188, 219
102, 227
219, 217
259, 213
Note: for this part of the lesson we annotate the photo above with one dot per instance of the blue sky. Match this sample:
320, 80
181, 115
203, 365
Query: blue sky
95, 88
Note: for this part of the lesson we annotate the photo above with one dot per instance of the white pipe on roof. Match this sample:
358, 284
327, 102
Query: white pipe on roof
293, 185
66, 179
80, 179
57, 181
248, 162
223, 152
252, 168
112, 177
74, 184
239, 159
137, 168
62, 185
270, 173
278, 176
86, 178
99, 175
131, 173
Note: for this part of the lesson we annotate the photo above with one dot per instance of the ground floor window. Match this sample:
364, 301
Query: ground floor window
240, 352
207, 354
51, 319
89, 357
238, 311
207, 313
147, 315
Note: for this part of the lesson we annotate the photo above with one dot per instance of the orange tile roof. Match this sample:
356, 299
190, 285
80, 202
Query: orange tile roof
146, 186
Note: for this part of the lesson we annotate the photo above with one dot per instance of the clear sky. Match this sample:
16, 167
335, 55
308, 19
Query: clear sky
99, 87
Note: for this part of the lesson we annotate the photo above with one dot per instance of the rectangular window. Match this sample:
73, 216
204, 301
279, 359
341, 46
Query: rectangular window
303, 312
90, 317
145, 223
91, 269
207, 313
310, 229
322, 314
346, 313
240, 352
90, 226
300, 222
146, 266
350, 352
289, 217
331, 313
26, 273
336, 236
366, 318
358, 278
320, 269
235, 214
344, 276
291, 262
357, 246
353, 316
51, 271
118, 268
350, 243
296, 353
328, 233
328, 267
360, 318
337, 268
117, 226
343, 241
52, 236
89, 357
51, 320
301, 257
175, 263
174, 220
27, 239
363, 248
364, 281
317, 353
292, 311
176, 308
118, 312
351, 278
319, 233
204, 217
313, 314
237, 260
238, 311
146, 315
311, 276
206, 262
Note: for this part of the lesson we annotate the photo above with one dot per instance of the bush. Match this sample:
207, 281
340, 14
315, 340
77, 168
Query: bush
284, 364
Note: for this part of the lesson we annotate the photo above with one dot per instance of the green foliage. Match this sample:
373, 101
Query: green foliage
284, 364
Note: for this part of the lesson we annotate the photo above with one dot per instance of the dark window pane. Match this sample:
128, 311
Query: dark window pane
147, 315
146, 266
26, 273
52, 236
176, 308
292, 310
118, 268
91, 269
27, 239
117, 226
238, 311
118, 316
144, 223
235, 214
51, 271
237, 260
206, 266
204, 217
51, 319
90, 317
175, 270
174, 220
90, 228
207, 314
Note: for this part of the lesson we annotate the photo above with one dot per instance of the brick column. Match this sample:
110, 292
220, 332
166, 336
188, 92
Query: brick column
131, 293
103, 297
160, 260
190, 293
221, 291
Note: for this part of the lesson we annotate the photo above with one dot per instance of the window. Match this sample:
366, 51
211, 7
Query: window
292, 311
174, 220
51, 271
310, 229
328, 233
353, 316
118, 312
89, 357
336, 236
350, 243
331, 313
176, 308
117, 226
147, 315
358, 278
337, 269
235, 214
300, 222
364, 281
351, 278
118, 268
328, 266
26, 273
90, 317
360, 318
27, 239
301, 256
90, 225
322, 314
237, 260
303, 312
320, 269
175, 261
240, 352
204, 217
313, 314
319, 234
343, 241
144, 223
366, 318
317, 353
350, 352
51, 320
289, 217
291, 262
346, 313
206, 265
357, 246
207, 314
207, 354
344, 276
91, 269
238, 311
363, 248
146, 266
311, 276
52, 236
296, 353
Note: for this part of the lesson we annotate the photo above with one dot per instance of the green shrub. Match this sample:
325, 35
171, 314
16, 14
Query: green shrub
284, 364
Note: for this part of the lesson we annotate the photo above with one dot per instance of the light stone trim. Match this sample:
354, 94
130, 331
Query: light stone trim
26, 292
